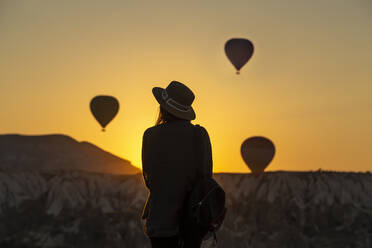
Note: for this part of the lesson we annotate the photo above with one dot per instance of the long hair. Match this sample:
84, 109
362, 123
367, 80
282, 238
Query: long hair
164, 116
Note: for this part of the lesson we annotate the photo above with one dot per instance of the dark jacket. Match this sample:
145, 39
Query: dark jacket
169, 171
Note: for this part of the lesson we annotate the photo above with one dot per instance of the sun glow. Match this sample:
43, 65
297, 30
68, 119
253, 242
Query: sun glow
302, 88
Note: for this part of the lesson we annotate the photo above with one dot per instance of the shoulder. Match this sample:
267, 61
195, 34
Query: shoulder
202, 130
148, 132
152, 130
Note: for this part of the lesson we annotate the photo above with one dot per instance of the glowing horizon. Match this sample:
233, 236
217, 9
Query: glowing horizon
307, 86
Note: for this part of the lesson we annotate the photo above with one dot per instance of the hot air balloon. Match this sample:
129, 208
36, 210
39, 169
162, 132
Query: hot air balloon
257, 153
104, 109
239, 51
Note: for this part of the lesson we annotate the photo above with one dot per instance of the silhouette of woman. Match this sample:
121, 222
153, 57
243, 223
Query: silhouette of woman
169, 152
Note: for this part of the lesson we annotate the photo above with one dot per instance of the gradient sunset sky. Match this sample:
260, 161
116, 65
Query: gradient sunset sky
308, 86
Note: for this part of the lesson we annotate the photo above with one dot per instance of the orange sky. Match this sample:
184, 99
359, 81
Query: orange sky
307, 87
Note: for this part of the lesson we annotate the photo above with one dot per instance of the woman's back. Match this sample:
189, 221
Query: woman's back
169, 146
169, 165
169, 152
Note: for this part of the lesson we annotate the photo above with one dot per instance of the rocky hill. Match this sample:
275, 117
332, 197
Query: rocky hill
277, 209
58, 152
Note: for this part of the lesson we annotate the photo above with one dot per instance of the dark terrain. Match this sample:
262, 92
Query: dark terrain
72, 206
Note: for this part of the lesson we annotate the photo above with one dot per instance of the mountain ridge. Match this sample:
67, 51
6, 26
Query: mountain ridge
58, 151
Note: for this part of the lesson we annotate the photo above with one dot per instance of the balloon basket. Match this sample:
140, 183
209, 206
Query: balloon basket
103, 130
238, 73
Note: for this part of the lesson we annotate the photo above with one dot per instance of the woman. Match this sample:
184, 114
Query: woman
169, 153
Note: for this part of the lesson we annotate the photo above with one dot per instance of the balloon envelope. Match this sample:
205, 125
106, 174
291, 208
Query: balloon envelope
239, 51
104, 109
257, 153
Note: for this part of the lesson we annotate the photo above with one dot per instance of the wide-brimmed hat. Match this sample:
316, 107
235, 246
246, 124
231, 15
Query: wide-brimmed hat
176, 99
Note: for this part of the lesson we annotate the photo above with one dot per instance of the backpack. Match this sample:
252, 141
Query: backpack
205, 205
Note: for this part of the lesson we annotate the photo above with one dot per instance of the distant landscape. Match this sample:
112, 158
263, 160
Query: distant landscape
51, 197
58, 152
